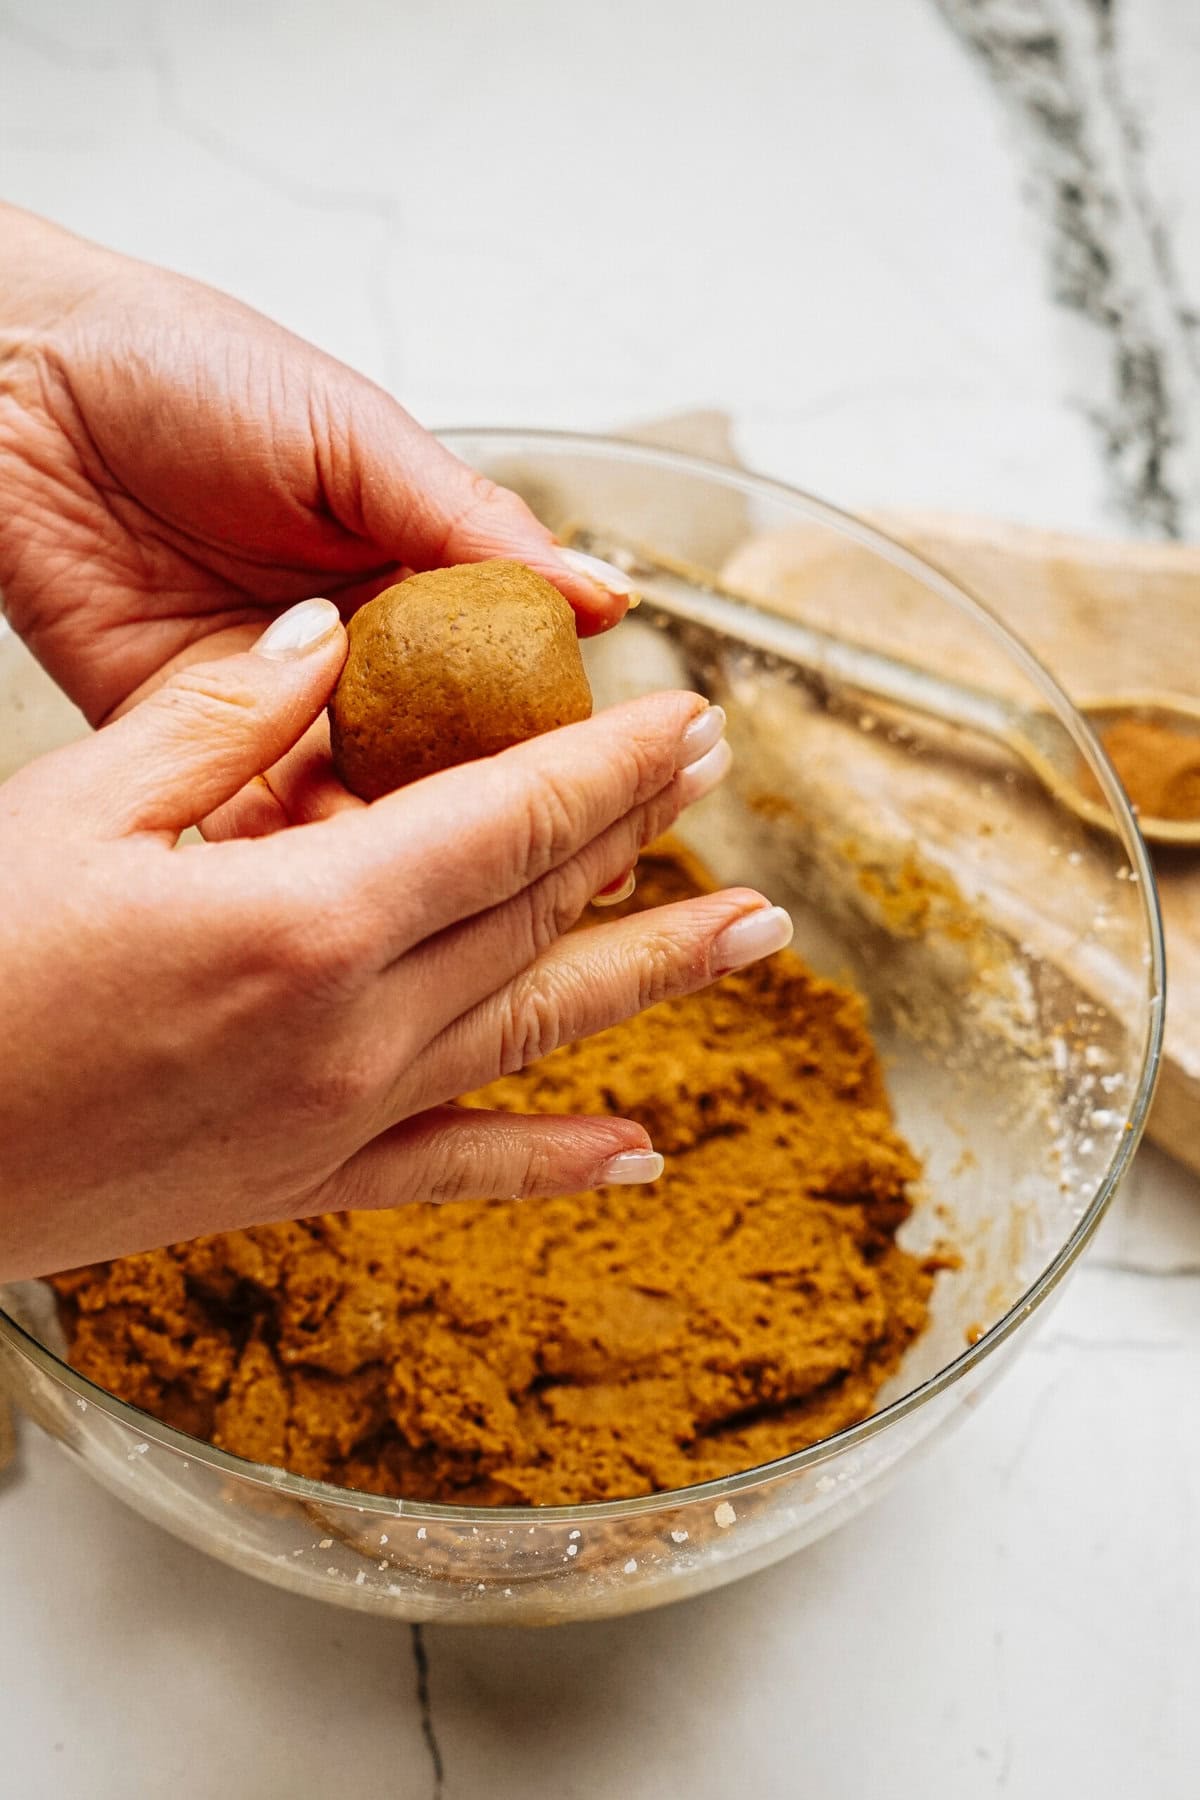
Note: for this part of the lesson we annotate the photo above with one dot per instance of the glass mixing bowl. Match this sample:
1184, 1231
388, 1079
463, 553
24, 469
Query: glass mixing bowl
1012, 960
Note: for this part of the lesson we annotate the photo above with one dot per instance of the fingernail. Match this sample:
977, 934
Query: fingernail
750, 938
702, 776
631, 1167
299, 629
604, 574
705, 730
616, 891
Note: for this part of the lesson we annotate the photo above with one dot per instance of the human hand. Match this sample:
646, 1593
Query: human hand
175, 468
202, 1036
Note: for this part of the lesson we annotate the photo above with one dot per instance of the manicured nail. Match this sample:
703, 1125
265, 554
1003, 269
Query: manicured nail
705, 730
750, 938
298, 630
604, 574
631, 1167
616, 891
701, 777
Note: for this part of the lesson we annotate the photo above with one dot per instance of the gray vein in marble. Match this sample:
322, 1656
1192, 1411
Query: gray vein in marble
58, 50
1033, 1423
1000, 1672
1055, 64
425, 1707
1120, 1265
1113, 1346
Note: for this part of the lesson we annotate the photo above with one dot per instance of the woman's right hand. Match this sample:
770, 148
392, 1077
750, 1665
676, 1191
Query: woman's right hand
203, 1036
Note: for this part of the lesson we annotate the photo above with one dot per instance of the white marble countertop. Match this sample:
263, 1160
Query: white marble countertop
932, 252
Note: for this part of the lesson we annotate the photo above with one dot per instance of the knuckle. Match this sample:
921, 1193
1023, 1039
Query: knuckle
651, 774
208, 691
333, 1091
662, 970
321, 955
483, 1170
658, 813
531, 1171
549, 825
453, 1175
530, 1027
308, 943
650, 741
481, 497
335, 947
447, 1181
640, 765
485, 493
553, 905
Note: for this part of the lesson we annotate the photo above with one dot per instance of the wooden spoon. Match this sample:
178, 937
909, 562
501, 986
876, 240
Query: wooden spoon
869, 677
1084, 605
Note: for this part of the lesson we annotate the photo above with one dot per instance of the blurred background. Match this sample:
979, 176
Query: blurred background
939, 254
932, 252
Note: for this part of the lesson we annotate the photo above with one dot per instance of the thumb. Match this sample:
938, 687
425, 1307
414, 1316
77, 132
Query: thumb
209, 729
425, 508
460, 1153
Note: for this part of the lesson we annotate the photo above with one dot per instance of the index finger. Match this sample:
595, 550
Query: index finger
465, 840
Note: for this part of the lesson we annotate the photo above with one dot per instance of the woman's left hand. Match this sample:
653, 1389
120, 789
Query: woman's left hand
176, 469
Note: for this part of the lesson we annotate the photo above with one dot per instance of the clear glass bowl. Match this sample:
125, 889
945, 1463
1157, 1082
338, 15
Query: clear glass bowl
1013, 964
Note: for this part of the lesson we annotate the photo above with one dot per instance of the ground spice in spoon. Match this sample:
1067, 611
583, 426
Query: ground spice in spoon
1159, 767
750, 1303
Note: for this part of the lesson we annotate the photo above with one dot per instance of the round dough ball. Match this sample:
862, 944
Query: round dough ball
453, 665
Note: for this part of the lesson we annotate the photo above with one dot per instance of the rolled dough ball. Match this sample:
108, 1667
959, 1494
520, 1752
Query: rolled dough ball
449, 666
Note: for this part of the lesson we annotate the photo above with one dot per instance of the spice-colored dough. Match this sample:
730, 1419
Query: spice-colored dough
453, 665
749, 1303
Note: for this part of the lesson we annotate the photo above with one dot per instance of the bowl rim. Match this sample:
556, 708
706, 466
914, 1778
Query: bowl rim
618, 449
